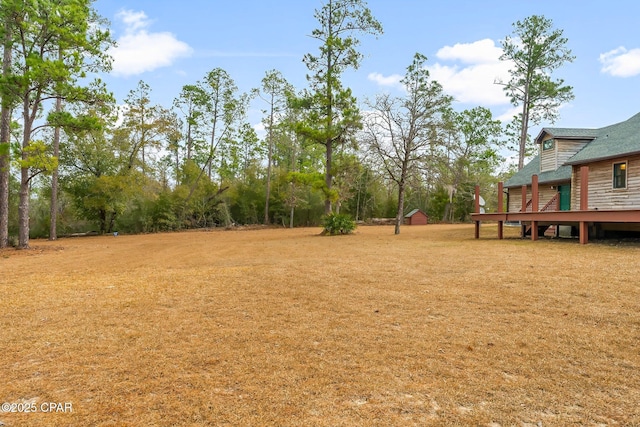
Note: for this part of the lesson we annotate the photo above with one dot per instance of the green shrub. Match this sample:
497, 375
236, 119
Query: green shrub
338, 224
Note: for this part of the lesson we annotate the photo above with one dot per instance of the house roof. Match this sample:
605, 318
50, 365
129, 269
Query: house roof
413, 212
608, 142
612, 141
567, 133
523, 176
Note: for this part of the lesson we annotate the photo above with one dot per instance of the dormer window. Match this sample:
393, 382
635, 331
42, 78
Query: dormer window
548, 144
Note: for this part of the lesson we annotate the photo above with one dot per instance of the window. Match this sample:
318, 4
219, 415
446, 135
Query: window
620, 175
547, 145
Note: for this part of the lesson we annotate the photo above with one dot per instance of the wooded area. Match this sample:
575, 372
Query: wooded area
72, 160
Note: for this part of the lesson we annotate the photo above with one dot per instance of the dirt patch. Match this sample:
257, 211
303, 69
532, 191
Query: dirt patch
282, 327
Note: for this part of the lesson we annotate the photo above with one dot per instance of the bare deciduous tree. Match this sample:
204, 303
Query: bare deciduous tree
400, 130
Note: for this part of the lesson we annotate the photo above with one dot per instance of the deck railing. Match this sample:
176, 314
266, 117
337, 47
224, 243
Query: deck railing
553, 204
528, 208
582, 216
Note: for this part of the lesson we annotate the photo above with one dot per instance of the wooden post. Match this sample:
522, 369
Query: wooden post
523, 228
535, 197
535, 205
584, 203
584, 232
584, 188
477, 210
500, 209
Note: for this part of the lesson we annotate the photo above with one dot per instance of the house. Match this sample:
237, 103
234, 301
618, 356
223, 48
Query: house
416, 217
583, 178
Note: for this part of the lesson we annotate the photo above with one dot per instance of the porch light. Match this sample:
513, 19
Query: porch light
623, 166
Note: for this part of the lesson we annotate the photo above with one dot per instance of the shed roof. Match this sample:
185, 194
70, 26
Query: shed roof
413, 212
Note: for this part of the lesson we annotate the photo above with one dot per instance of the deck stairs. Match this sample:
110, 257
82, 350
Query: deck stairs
552, 205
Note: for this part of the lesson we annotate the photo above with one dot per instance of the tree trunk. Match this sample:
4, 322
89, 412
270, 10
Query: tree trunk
177, 176
329, 143
25, 179
399, 214
189, 141
5, 134
328, 178
4, 177
53, 208
269, 156
291, 217
112, 222
524, 128
23, 208
102, 220
447, 212
358, 204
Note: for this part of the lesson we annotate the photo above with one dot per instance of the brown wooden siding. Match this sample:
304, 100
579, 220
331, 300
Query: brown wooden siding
548, 158
567, 149
563, 150
602, 195
418, 218
545, 193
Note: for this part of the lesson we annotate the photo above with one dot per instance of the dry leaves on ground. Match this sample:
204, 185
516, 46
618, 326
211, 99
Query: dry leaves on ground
288, 328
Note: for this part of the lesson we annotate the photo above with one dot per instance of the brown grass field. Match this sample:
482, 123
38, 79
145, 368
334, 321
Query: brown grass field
282, 327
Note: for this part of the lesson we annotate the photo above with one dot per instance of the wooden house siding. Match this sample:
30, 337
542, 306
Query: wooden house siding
563, 150
548, 158
567, 148
602, 195
545, 193
514, 199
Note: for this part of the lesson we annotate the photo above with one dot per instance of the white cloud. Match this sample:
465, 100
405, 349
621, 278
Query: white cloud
481, 52
260, 129
139, 51
133, 20
508, 114
621, 62
466, 71
474, 82
388, 81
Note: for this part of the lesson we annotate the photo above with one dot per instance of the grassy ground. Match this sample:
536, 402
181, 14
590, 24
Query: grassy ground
288, 328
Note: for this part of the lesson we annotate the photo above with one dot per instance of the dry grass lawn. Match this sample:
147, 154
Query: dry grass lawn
288, 328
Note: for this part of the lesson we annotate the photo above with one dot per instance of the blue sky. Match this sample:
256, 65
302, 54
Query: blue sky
169, 44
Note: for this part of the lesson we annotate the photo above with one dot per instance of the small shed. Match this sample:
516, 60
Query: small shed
416, 217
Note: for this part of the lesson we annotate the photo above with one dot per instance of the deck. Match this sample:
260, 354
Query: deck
582, 218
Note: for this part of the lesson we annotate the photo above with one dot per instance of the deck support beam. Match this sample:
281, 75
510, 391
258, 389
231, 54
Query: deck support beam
500, 209
584, 232
523, 228
535, 205
584, 203
477, 210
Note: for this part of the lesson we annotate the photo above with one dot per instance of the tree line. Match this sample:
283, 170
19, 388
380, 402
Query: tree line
72, 161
